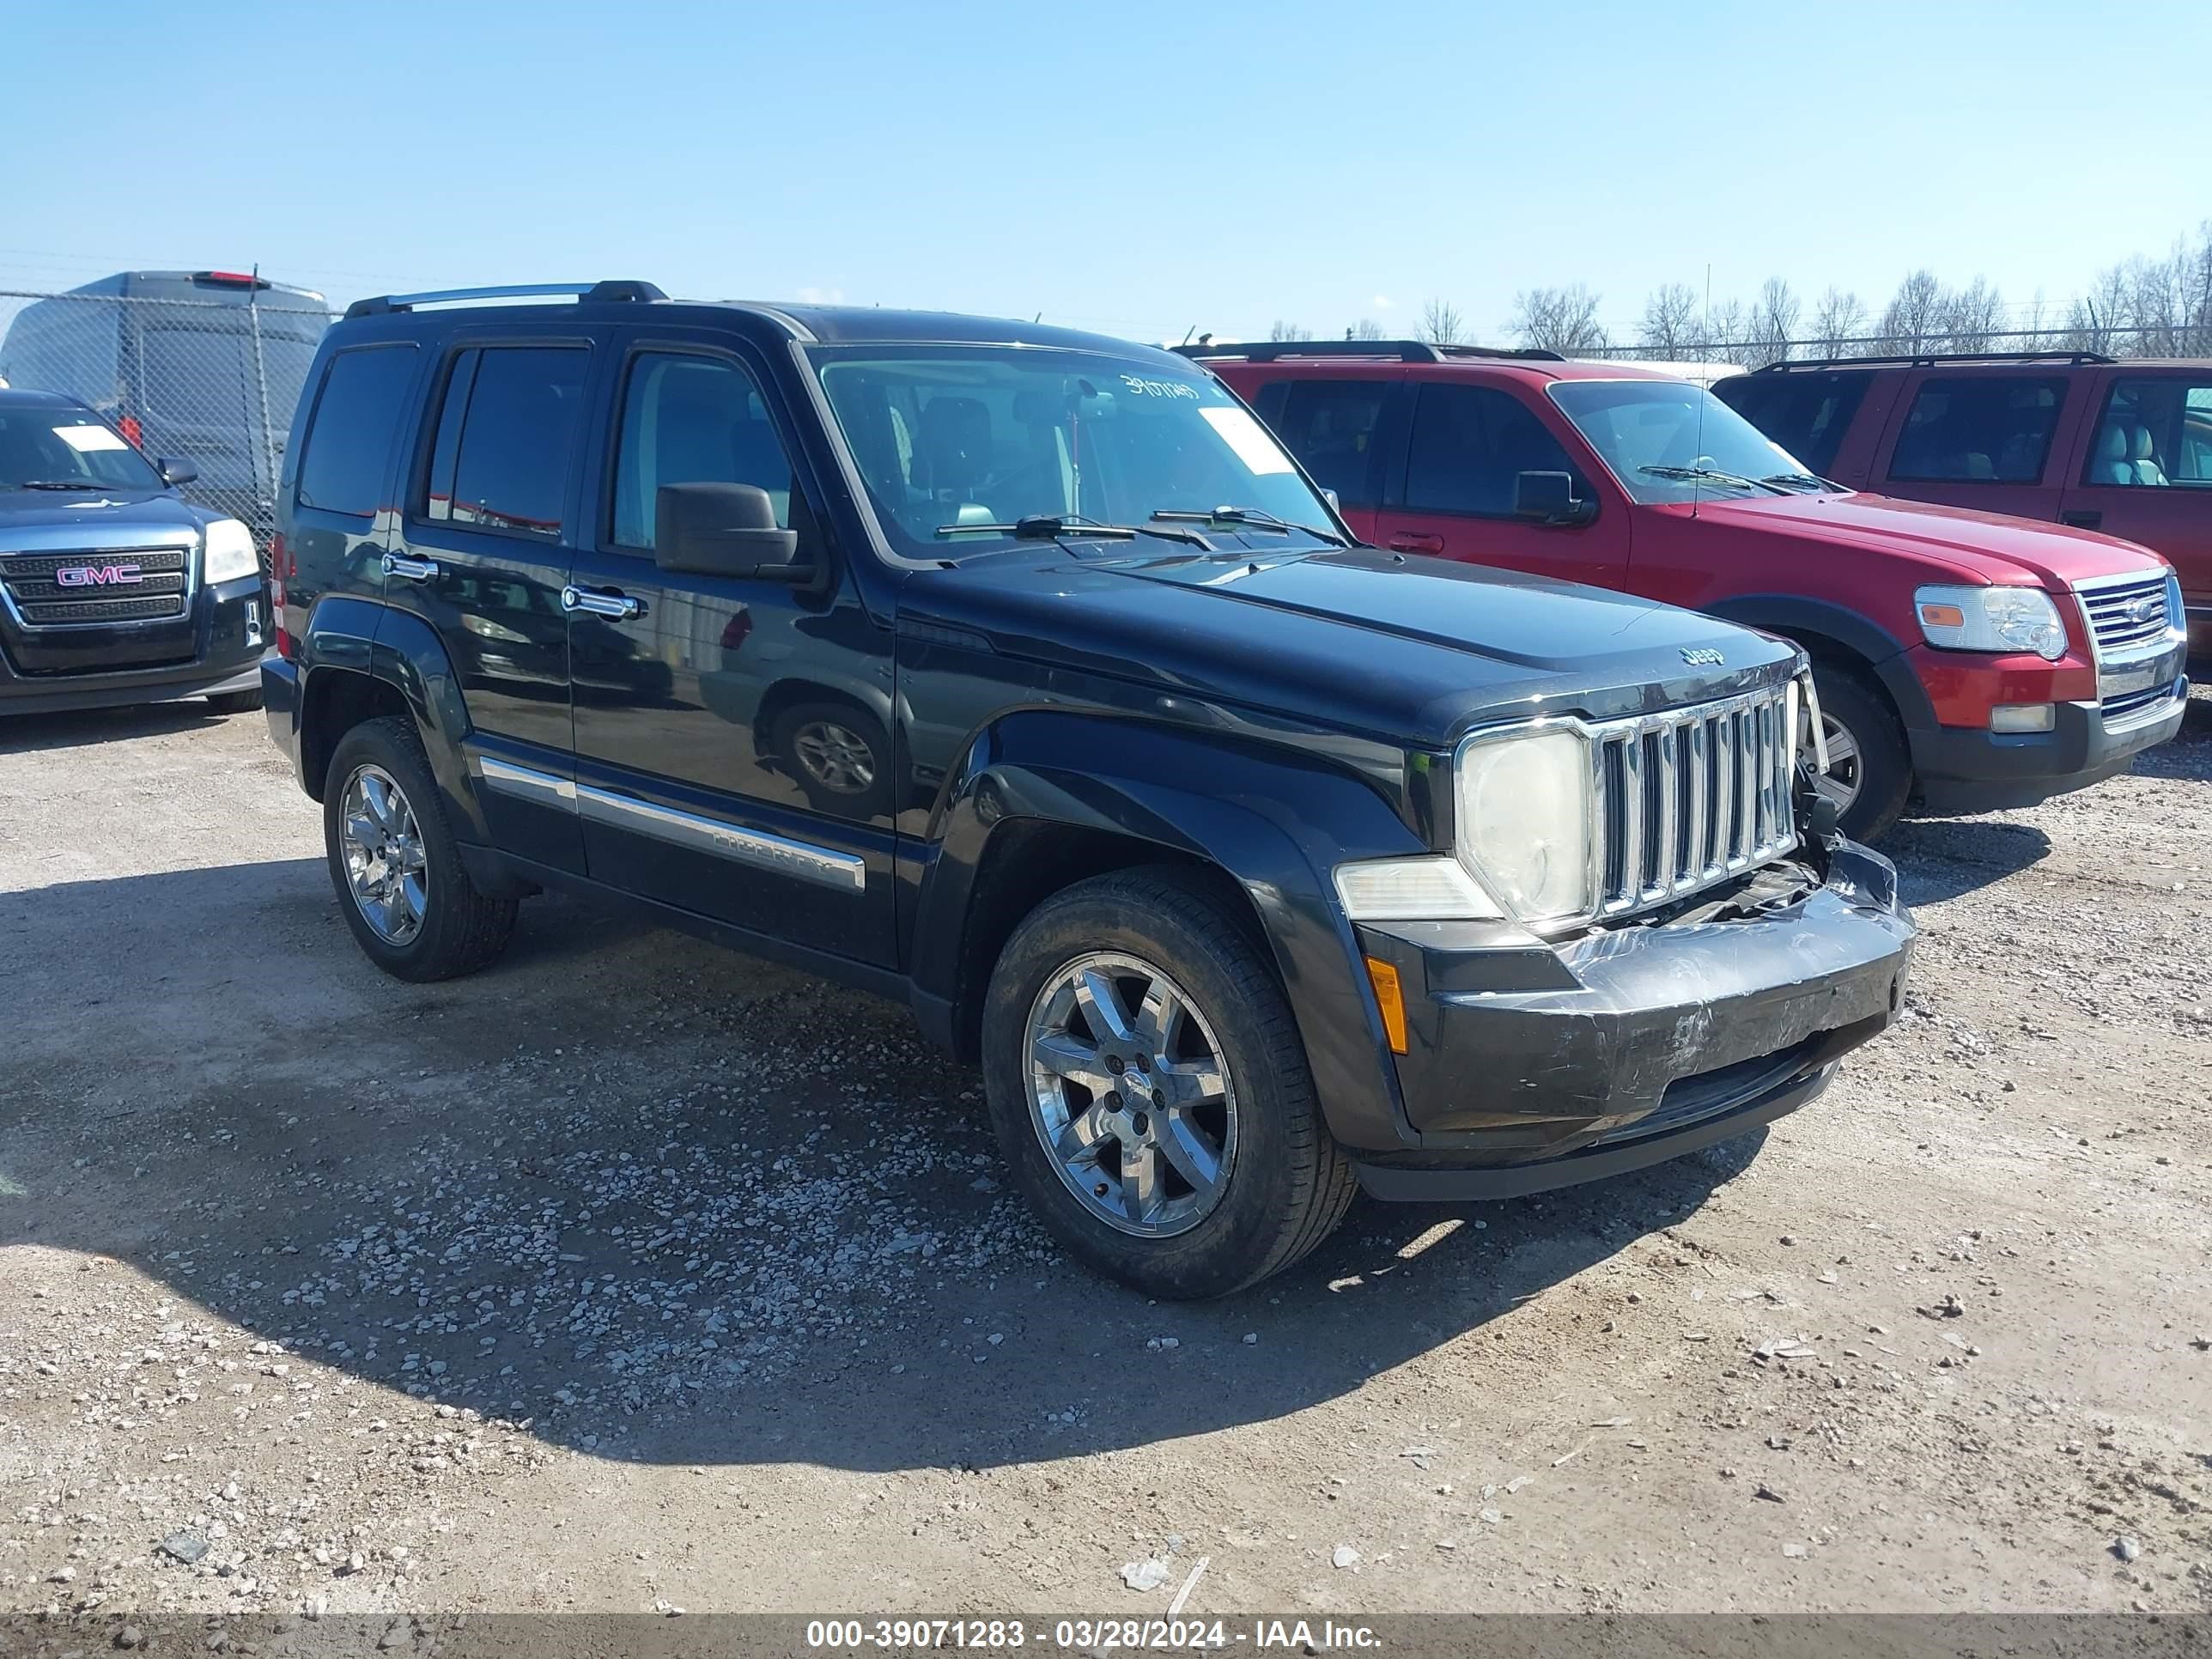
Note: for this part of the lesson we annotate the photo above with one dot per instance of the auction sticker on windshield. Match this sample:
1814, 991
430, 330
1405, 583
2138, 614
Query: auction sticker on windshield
86, 439
1258, 451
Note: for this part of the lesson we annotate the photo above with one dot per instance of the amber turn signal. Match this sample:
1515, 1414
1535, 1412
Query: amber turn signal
1384, 978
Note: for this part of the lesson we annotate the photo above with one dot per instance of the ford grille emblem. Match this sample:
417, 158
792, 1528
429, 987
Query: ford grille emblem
1701, 657
2143, 609
99, 575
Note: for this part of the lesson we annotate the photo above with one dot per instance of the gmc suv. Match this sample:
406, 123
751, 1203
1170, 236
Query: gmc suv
1966, 660
1019, 675
112, 590
2074, 437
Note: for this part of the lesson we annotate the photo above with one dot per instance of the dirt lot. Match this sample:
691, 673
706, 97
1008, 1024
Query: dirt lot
631, 1273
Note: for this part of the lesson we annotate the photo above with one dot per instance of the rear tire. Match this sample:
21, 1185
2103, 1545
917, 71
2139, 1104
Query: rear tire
395, 864
1158, 938
1870, 767
235, 702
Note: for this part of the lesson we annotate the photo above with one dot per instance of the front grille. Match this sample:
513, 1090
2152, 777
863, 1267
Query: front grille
31, 583
1689, 798
2118, 708
2128, 614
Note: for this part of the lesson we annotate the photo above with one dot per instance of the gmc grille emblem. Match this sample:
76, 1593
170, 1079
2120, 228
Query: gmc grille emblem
98, 575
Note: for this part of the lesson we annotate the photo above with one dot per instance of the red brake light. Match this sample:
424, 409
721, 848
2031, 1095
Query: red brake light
230, 278
280, 569
133, 434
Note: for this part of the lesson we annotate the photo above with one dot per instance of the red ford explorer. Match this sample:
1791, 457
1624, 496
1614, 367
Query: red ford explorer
1964, 660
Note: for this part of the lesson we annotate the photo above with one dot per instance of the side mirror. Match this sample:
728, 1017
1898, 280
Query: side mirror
1549, 498
723, 530
176, 472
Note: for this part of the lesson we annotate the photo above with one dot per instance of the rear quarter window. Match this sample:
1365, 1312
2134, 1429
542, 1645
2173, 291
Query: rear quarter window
355, 422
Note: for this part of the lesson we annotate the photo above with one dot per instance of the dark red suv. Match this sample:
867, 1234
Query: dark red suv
1966, 660
2123, 447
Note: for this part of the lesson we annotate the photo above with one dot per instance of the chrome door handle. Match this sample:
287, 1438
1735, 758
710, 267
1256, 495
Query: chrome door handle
620, 606
414, 570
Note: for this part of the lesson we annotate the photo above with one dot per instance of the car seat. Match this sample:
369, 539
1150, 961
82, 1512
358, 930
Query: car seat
2142, 459
2113, 465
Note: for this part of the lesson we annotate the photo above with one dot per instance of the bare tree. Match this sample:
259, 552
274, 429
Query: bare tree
1729, 335
1670, 324
1838, 317
1972, 316
1913, 320
1441, 323
1774, 319
1365, 329
2094, 321
1561, 319
1282, 331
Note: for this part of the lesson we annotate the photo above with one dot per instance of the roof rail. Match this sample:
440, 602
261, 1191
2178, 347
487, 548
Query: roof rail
582, 293
1936, 359
1404, 351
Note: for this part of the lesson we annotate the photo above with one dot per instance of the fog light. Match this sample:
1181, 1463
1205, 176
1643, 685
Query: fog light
2022, 717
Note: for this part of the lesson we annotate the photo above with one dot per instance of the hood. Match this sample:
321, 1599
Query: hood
1989, 546
1415, 650
36, 522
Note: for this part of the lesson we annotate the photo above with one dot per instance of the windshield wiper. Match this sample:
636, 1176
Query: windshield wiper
1046, 527
1711, 475
64, 484
1792, 480
1254, 516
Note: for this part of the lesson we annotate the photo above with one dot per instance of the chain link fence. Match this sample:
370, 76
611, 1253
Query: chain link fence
208, 375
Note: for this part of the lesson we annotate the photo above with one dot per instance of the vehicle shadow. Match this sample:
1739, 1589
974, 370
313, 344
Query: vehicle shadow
658, 1202
1940, 859
28, 734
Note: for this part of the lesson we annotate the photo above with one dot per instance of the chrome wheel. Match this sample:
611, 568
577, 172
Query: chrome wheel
1846, 773
385, 867
1130, 1094
835, 757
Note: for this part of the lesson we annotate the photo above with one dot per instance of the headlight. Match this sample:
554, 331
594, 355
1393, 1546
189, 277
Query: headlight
229, 553
1994, 619
1432, 889
1523, 799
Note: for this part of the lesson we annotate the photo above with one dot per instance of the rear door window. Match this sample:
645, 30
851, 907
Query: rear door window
1982, 428
2153, 432
348, 454
506, 434
1330, 426
1806, 414
1471, 444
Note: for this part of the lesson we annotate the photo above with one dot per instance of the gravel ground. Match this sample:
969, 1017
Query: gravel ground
632, 1274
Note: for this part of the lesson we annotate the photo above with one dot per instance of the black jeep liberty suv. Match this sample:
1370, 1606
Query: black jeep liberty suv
1020, 675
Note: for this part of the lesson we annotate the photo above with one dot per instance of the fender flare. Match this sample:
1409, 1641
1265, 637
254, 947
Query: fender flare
1794, 615
1273, 819
346, 634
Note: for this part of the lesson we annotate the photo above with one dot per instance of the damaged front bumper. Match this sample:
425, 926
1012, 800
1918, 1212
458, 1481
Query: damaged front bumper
1531, 1066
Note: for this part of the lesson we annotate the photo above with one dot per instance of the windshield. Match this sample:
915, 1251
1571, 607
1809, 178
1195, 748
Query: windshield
953, 436
1668, 440
43, 445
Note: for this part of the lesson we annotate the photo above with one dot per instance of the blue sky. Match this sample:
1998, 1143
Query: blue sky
1135, 167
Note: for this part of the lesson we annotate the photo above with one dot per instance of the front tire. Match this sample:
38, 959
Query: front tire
1151, 1092
395, 864
1869, 768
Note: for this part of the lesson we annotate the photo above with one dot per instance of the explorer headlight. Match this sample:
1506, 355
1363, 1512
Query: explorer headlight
1994, 619
1522, 800
227, 553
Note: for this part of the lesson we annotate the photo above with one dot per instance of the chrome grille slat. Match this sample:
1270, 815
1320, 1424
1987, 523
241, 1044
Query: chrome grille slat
2123, 641
1691, 796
